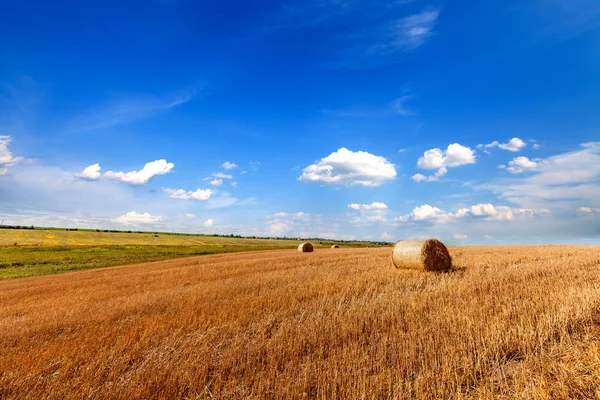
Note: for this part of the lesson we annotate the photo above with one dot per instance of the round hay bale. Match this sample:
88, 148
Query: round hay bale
428, 255
335, 246
305, 248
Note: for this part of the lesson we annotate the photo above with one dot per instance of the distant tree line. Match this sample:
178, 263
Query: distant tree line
231, 235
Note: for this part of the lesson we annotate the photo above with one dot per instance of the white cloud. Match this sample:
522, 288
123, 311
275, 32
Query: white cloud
514, 145
297, 215
426, 213
418, 178
488, 236
521, 164
500, 213
228, 165
560, 181
587, 210
180, 194
220, 175
91, 173
346, 167
158, 167
537, 146
216, 182
292, 224
3, 171
460, 236
387, 236
234, 184
133, 218
190, 216
209, 223
6, 157
478, 211
373, 206
455, 155
412, 31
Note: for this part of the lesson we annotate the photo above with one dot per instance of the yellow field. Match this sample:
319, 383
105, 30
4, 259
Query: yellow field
41, 237
509, 322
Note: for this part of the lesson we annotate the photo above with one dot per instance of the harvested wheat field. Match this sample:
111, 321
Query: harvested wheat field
508, 322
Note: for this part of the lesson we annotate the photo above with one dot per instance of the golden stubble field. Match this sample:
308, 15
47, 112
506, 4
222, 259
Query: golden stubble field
509, 322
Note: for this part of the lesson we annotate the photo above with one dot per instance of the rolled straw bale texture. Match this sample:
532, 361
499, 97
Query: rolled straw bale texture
428, 255
335, 246
305, 247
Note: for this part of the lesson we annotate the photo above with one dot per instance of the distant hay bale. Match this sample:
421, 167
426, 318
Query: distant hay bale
305, 248
335, 246
428, 255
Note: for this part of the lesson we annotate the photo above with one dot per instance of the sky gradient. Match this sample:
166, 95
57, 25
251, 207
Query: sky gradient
470, 122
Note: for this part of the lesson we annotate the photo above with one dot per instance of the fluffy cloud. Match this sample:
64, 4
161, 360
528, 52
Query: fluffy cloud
133, 218
426, 213
562, 180
455, 155
216, 182
91, 173
346, 167
190, 216
158, 167
460, 236
220, 175
228, 165
6, 157
209, 223
479, 211
373, 206
180, 194
587, 210
514, 145
499, 213
521, 164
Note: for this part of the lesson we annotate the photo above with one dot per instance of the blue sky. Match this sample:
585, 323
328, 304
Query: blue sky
473, 122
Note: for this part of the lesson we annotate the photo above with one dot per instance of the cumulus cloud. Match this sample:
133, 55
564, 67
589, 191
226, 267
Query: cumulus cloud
180, 194
346, 167
478, 211
500, 213
562, 180
514, 145
158, 167
6, 157
133, 218
521, 164
460, 236
220, 175
587, 210
91, 173
228, 165
209, 223
426, 213
216, 182
373, 206
190, 216
455, 155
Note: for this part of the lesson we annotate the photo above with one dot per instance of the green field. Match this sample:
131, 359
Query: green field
27, 252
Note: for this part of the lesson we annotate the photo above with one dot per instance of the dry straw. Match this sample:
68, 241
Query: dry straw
335, 246
428, 255
305, 248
